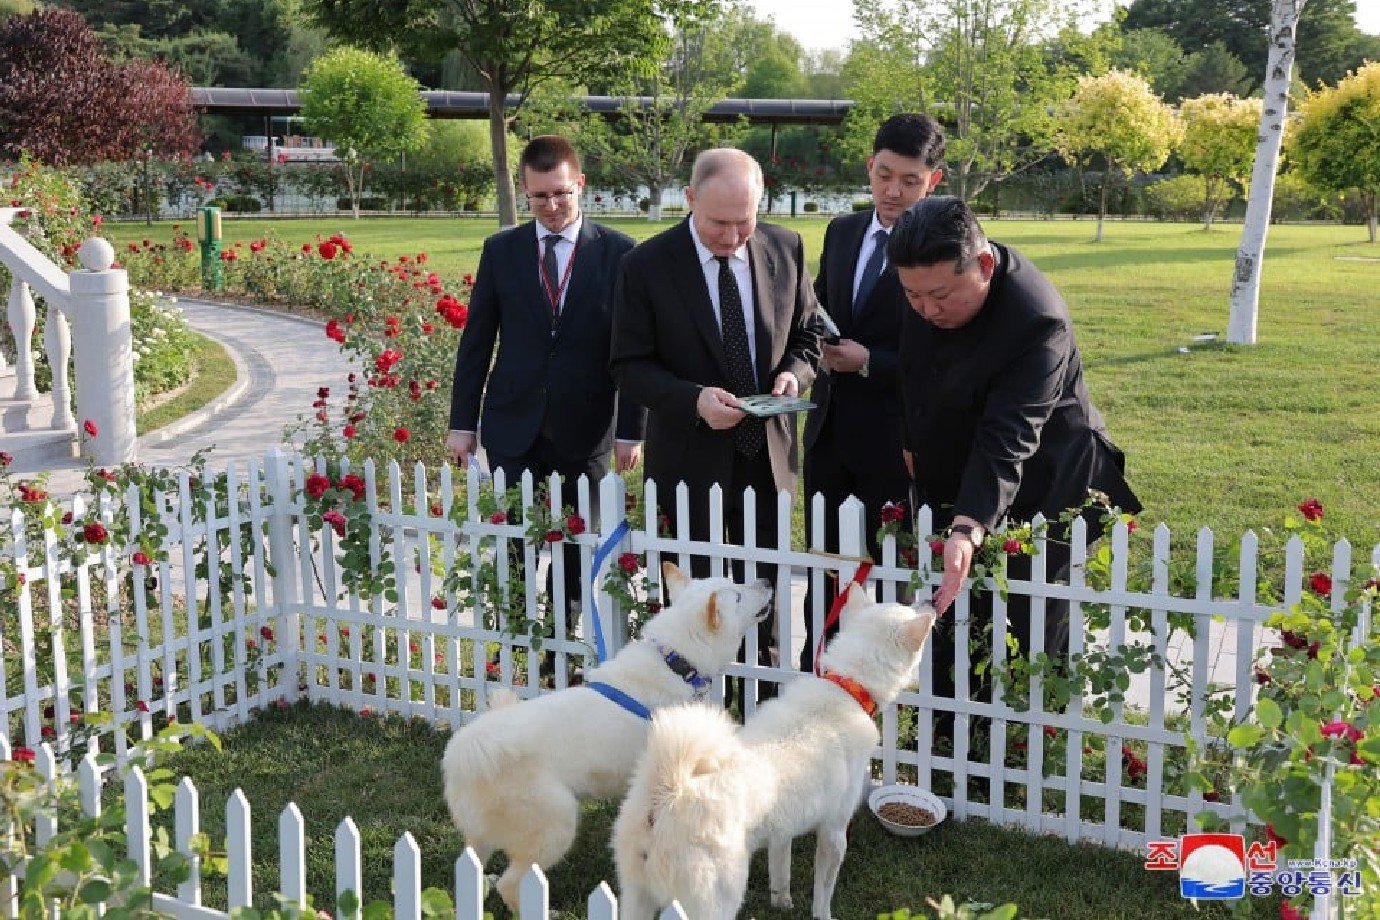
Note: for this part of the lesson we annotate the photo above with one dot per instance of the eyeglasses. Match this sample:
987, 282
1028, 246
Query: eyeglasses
544, 198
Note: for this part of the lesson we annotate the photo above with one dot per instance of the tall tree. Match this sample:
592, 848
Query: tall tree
367, 105
514, 45
1245, 281
1115, 121
1218, 144
63, 101
650, 143
977, 65
1337, 143
1212, 70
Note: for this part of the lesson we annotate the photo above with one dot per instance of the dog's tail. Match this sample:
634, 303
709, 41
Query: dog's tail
684, 823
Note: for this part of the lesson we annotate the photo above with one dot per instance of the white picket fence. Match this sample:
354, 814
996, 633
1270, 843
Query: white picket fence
274, 624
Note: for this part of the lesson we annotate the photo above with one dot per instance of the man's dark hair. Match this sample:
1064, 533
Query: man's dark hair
545, 152
937, 229
911, 135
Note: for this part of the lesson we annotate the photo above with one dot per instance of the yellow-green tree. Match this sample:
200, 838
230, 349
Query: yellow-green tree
1337, 143
367, 105
1115, 121
1218, 144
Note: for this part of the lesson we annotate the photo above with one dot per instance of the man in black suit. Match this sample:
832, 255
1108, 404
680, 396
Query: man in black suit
853, 437
998, 422
715, 308
544, 291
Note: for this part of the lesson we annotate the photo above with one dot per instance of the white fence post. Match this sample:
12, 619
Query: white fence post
407, 879
602, 905
534, 895
469, 886
283, 555
349, 875
238, 846
104, 350
137, 831
292, 856
187, 824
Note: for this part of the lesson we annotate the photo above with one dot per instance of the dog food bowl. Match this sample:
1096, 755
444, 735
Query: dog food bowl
902, 809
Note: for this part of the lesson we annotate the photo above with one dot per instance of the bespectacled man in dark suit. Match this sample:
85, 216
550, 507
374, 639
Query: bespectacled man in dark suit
998, 422
543, 295
718, 307
853, 436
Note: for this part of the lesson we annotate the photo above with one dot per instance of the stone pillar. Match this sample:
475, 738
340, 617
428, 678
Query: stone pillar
104, 355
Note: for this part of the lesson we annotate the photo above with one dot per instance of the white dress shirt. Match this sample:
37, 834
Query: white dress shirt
563, 253
742, 273
869, 243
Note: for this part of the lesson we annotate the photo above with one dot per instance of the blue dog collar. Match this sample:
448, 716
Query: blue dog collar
684, 669
619, 697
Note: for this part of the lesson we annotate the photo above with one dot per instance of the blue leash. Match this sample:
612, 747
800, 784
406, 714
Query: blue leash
619, 697
600, 557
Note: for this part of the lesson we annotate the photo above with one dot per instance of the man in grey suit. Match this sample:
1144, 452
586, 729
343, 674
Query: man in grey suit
715, 308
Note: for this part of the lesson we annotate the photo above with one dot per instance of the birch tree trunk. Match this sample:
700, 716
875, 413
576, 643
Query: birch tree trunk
1245, 282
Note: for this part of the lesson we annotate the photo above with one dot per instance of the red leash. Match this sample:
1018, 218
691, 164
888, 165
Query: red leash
859, 576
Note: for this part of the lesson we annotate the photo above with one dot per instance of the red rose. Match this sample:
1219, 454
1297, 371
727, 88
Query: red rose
628, 562
317, 485
401, 435
6, 459
24, 755
327, 249
1321, 584
1011, 547
1341, 729
336, 520
1312, 509
348, 431
554, 536
1131, 525
1211, 796
436, 510
439, 603
575, 525
94, 532
141, 558
1288, 911
892, 513
936, 546
90, 428
266, 633
498, 517
141, 706
1273, 837
1051, 731
334, 331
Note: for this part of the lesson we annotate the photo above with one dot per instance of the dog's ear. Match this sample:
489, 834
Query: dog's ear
712, 619
674, 579
858, 598
917, 630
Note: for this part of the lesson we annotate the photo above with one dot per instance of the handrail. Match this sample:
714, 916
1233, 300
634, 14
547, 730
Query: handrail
31, 266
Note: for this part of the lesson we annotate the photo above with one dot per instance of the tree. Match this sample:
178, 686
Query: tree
1116, 119
977, 65
1218, 144
63, 101
1214, 69
649, 144
514, 45
367, 105
1245, 282
1337, 144
1156, 56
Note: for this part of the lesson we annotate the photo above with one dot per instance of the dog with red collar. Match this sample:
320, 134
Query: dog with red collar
706, 794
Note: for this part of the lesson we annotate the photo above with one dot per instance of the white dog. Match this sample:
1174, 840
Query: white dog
515, 776
706, 795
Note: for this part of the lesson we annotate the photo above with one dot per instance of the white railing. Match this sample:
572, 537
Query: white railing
88, 318
274, 623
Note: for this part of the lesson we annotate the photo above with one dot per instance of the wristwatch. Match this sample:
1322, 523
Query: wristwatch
966, 530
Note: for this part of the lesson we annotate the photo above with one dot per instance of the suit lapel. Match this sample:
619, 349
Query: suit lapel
688, 277
844, 270
762, 266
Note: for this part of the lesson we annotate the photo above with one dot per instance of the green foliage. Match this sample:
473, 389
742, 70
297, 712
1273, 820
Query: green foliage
367, 105
1179, 198
946, 909
1336, 145
85, 864
1219, 144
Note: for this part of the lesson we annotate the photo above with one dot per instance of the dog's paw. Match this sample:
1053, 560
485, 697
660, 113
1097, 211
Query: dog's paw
782, 899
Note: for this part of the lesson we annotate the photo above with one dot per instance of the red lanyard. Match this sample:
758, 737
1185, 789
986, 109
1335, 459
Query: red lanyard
859, 578
555, 296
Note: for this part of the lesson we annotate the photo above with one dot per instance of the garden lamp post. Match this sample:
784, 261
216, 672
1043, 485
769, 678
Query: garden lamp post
148, 185
208, 233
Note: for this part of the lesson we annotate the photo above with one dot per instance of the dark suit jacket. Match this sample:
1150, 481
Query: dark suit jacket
865, 411
557, 379
666, 346
997, 412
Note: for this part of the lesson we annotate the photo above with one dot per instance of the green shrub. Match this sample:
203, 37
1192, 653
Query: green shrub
370, 203
1179, 198
862, 204
811, 207
236, 204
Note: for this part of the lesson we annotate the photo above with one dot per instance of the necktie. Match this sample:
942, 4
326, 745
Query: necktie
749, 435
552, 273
872, 271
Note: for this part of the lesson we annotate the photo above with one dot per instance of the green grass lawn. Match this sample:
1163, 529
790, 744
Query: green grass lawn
385, 774
1228, 437
212, 374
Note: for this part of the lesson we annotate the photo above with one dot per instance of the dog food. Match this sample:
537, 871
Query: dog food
906, 814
